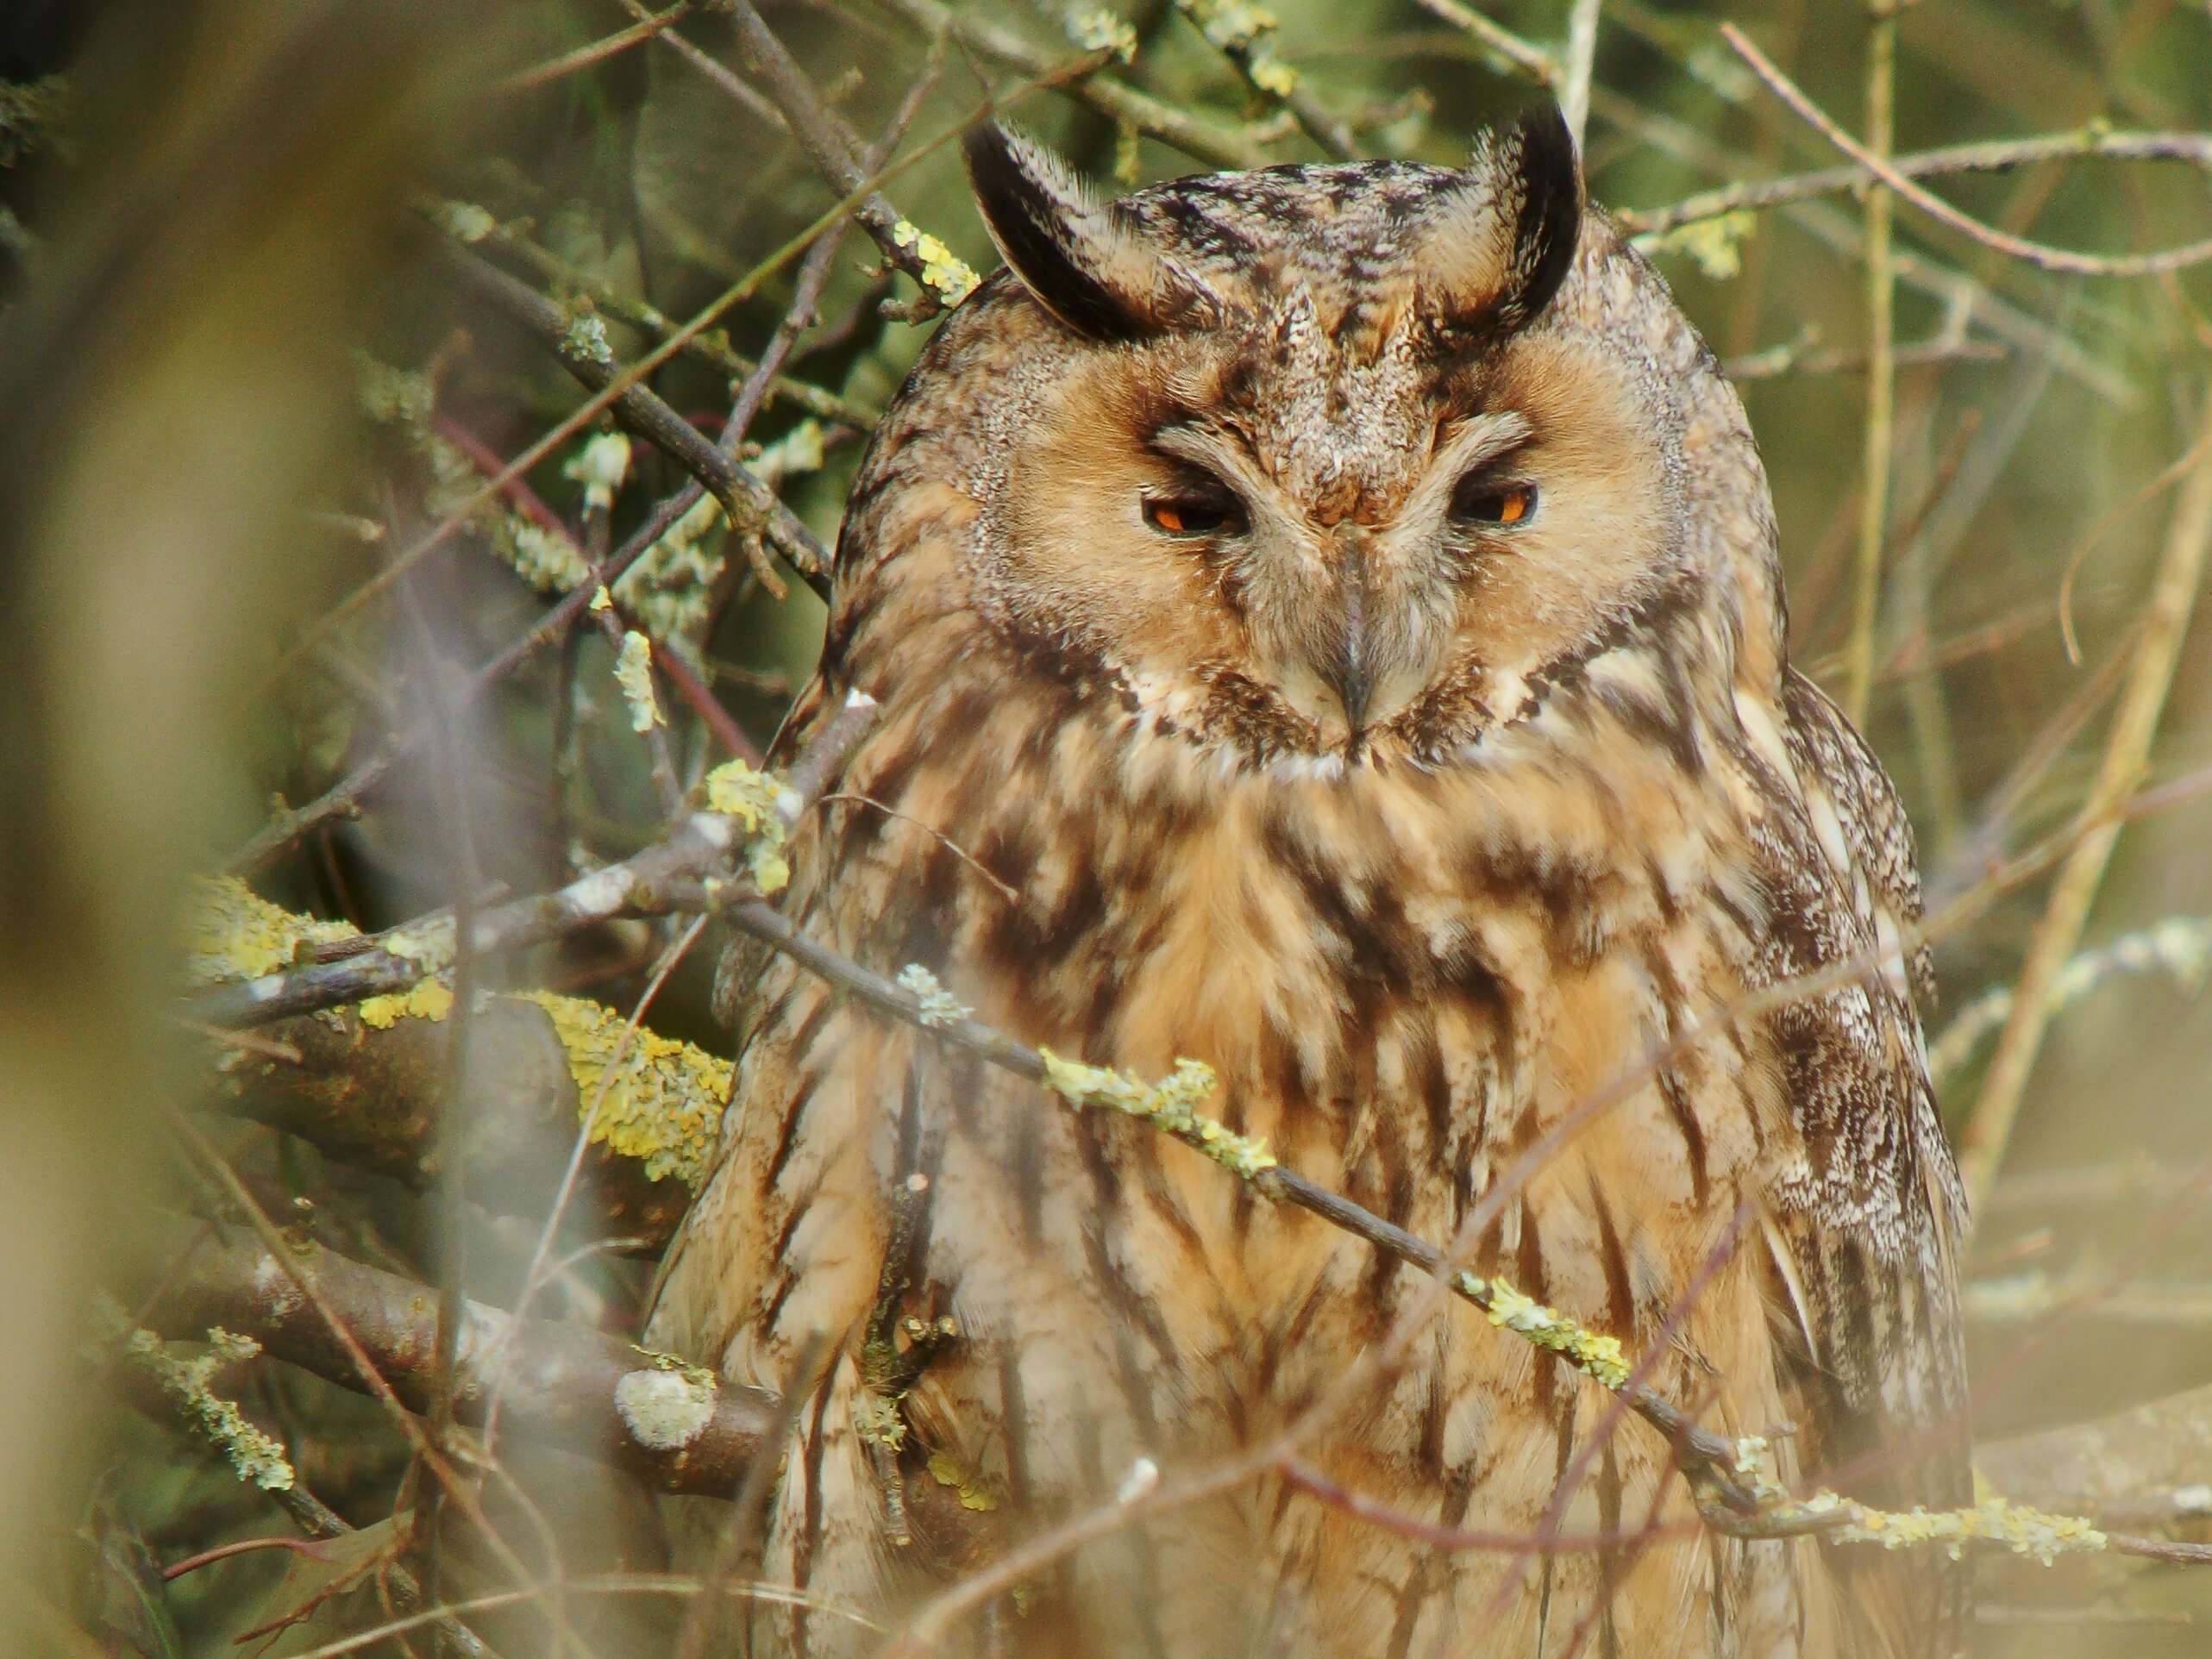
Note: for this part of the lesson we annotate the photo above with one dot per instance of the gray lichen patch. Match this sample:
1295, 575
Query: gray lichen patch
665, 1410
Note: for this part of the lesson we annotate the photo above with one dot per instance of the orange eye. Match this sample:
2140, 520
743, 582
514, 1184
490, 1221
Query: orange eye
1480, 500
1196, 516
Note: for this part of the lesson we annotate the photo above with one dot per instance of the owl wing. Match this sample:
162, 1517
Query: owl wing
1865, 1223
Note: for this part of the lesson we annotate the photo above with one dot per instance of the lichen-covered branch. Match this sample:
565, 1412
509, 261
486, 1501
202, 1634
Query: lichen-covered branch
836, 151
676, 1425
580, 341
367, 1094
745, 817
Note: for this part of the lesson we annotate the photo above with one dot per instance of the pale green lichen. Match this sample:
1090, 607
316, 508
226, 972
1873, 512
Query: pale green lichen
933, 1005
1991, 1518
1596, 1355
392, 396
428, 943
670, 588
2021, 1528
600, 464
1752, 1453
942, 269
800, 450
258, 1457
633, 671
665, 1410
877, 1421
465, 222
662, 1105
586, 337
1124, 152
1244, 32
547, 562
760, 803
1715, 245
405, 399
1171, 1104
1101, 30
601, 600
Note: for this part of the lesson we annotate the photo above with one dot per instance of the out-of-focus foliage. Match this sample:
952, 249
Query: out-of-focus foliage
237, 379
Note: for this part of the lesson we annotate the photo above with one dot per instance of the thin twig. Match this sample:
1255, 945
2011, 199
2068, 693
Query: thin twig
751, 505
599, 50
1999, 157
1881, 369
1581, 63
1527, 59
2036, 253
1116, 100
2128, 748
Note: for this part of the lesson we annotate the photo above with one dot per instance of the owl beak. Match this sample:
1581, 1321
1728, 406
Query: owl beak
1350, 670
1352, 679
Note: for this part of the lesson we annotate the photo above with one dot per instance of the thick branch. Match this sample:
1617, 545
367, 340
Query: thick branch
674, 1424
2152, 1462
368, 1097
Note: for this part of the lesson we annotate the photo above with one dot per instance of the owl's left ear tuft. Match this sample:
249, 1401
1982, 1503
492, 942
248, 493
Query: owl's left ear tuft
1539, 158
1089, 265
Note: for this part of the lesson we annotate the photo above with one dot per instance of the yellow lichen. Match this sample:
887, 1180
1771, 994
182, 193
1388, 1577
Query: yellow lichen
431, 999
663, 1103
758, 801
634, 673
970, 1485
428, 943
1170, 1105
231, 932
1596, 1355
2021, 1528
942, 269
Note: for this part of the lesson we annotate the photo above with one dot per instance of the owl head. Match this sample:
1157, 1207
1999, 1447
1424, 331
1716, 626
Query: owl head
1328, 463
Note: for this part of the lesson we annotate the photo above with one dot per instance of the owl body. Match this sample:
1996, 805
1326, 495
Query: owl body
1326, 624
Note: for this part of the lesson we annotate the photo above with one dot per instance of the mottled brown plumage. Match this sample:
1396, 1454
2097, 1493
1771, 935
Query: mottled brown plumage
1327, 623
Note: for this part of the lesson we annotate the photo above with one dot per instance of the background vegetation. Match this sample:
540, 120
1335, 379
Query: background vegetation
288, 293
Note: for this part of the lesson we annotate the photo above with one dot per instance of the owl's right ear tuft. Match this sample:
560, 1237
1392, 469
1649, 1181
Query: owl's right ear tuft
1540, 159
1086, 264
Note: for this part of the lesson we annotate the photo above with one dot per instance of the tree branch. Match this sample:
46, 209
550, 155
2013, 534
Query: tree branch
674, 1425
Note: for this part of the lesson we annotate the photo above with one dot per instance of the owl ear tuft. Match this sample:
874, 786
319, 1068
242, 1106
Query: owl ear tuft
1088, 265
1503, 239
1539, 156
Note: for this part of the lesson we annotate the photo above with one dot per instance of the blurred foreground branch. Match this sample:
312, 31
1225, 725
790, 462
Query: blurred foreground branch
676, 1425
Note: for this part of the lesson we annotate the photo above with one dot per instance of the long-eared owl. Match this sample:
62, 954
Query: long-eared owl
1327, 623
